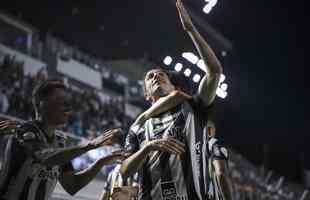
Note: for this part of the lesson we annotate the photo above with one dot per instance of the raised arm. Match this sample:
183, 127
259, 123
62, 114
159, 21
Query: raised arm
163, 104
209, 83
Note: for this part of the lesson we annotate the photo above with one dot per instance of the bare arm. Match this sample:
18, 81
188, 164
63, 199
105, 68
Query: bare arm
209, 83
134, 162
8, 127
163, 104
73, 182
64, 155
223, 179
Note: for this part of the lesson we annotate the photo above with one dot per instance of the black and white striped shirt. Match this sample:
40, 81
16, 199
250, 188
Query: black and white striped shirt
23, 176
164, 176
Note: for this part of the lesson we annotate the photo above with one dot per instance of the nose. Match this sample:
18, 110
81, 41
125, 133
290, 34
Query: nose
156, 75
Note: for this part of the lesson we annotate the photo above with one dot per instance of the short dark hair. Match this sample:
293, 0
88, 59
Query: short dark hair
177, 79
43, 90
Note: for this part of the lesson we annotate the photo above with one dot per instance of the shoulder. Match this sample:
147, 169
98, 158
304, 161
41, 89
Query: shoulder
28, 131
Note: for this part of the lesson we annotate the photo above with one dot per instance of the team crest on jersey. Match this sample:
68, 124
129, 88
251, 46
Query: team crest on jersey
29, 136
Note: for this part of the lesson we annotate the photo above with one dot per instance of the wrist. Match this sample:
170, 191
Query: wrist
89, 146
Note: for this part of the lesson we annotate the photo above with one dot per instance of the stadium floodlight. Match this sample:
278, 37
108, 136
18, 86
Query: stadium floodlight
202, 65
178, 67
187, 72
196, 78
224, 86
221, 93
222, 78
209, 6
168, 60
190, 57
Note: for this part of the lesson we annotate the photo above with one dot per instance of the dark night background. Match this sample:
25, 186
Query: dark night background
266, 69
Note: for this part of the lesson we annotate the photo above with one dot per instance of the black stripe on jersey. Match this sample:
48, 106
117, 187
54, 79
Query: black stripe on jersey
165, 170
146, 183
41, 191
25, 192
188, 174
17, 160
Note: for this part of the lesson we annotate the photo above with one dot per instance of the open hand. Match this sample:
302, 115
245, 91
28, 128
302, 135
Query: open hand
184, 16
8, 127
107, 138
124, 193
169, 145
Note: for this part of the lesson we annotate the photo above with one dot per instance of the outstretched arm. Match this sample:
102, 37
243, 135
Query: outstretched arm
213, 68
73, 182
163, 104
64, 155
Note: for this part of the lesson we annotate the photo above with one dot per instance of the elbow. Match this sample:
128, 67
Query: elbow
124, 170
72, 189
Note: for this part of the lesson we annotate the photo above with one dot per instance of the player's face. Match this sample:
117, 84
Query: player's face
57, 107
157, 83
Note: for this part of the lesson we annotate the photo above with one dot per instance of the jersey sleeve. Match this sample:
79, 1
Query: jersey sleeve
131, 143
199, 108
217, 150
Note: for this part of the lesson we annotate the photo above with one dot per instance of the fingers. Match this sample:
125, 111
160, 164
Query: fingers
108, 137
8, 125
171, 145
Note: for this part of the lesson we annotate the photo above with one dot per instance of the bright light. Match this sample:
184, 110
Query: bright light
187, 72
222, 78
220, 93
201, 64
178, 67
210, 4
224, 86
190, 57
168, 60
196, 78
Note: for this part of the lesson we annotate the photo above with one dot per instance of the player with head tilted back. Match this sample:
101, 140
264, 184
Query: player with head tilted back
36, 157
168, 142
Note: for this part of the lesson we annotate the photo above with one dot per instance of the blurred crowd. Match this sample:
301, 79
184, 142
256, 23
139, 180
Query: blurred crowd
91, 115
250, 184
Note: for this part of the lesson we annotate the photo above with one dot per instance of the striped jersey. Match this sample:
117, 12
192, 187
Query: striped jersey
23, 176
164, 176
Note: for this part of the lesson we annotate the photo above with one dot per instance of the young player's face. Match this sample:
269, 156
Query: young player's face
157, 84
57, 107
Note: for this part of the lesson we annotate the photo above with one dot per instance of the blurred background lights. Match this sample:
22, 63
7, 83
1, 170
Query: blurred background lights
190, 57
187, 72
168, 60
178, 67
196, 78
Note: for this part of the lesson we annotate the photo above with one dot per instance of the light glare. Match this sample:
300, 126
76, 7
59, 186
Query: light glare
196, 78
187, 72
178, 67
224, 86
220, 93
190, 57
168, 60
202, 65
222, 78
